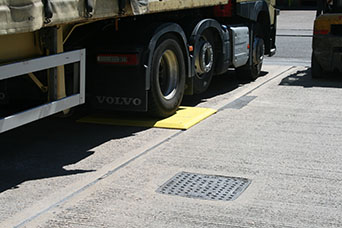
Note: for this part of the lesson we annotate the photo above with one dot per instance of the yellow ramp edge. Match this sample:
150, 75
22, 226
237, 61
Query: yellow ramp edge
183, 119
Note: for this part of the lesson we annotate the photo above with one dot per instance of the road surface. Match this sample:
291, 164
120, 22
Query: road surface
282, 132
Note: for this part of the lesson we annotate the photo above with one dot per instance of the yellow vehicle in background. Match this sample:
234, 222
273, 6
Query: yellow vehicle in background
327, 40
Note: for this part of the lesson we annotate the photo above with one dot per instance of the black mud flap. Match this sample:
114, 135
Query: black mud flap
116, 80
3, 92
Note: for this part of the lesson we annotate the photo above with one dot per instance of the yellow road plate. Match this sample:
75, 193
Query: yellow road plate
184, 118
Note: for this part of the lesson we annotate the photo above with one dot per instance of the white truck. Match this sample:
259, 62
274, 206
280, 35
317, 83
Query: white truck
131, 55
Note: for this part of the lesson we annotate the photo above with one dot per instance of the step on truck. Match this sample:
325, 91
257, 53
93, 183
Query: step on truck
136, 55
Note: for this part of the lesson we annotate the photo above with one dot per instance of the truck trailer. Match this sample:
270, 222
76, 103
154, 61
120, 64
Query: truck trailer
127, 55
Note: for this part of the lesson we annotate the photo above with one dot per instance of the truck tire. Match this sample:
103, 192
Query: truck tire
252, 69
316, 69
167, 77
205, 57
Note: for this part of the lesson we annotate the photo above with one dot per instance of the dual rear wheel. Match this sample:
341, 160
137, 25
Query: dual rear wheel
205, 56
252, 69
168, 71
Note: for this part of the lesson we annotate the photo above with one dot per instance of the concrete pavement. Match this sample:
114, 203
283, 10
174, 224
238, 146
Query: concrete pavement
283, 132
287, 141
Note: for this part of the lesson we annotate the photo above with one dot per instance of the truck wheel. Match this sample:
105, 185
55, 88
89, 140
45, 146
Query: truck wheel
252, 69
316, 69
167, 77
204, 62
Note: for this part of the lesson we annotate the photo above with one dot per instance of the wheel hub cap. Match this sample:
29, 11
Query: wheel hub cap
205, 59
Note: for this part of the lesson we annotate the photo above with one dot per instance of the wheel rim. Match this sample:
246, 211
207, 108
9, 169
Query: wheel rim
205, 60
168, 74
206, 57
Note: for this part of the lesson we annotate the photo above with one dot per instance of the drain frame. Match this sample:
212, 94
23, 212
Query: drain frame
203, 186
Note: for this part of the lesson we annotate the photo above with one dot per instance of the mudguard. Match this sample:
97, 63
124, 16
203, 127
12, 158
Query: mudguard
258, 11
223, 34
251, 10
159, 32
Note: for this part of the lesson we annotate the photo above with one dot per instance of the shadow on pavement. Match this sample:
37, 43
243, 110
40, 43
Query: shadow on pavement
41, 149
220, 84
303, 78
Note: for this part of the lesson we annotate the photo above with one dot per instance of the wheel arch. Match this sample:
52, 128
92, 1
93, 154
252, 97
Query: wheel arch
159, 32
264, 21
220, 38
257, 12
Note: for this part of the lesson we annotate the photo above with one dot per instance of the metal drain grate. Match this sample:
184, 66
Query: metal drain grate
209, 187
